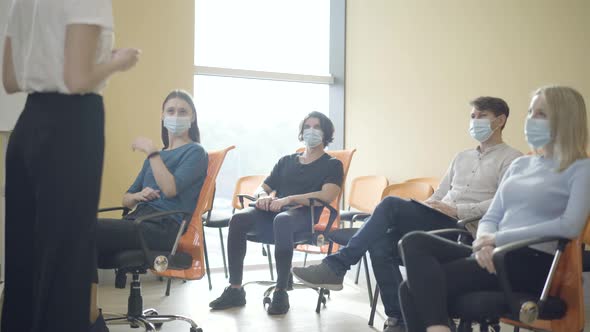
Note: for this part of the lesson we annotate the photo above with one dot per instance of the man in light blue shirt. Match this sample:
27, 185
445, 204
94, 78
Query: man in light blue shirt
466, 191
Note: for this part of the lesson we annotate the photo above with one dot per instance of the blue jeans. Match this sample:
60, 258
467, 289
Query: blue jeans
392, 219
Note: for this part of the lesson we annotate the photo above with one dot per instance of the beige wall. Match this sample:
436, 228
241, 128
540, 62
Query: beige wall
413, 66
164, 31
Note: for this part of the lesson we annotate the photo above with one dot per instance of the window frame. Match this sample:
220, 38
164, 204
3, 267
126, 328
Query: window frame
336, 79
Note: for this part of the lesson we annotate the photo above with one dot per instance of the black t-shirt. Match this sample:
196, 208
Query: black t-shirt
290, 177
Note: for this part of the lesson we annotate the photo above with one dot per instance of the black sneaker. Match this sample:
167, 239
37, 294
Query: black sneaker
279, 304
393, 324
99, 324
231, 297
320, 276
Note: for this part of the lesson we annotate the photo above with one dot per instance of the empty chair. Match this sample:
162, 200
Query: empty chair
364, 195
432, 181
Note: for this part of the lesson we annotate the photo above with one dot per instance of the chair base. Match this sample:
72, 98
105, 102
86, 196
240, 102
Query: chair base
323, 293
152, 321
467, 326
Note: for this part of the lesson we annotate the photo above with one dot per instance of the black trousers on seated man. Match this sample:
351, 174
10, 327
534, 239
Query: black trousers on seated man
283, 226
392, 219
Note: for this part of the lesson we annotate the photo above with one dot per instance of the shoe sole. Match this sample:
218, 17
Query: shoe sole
277, 313
333, 287
228, 307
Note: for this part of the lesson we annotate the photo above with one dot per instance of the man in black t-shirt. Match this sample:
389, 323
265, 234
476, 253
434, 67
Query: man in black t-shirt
294, 179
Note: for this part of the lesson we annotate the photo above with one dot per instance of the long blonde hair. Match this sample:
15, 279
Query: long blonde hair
568, 121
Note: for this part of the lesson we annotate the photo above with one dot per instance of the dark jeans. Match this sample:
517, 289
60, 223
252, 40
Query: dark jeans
53, 173
393, 218
440, 270
114, 235
282, 225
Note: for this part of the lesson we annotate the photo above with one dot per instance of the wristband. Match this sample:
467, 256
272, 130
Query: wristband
153, 154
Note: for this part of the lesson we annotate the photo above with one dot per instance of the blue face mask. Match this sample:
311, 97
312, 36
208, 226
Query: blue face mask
177, 125
312, 137
480, 129
537, 132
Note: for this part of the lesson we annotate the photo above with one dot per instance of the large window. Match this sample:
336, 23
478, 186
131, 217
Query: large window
260, 67
289, 36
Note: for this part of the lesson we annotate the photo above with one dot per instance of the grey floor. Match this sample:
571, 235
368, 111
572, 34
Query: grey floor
347, 310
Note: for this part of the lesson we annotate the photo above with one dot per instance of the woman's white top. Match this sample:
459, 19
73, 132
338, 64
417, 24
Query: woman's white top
37, 31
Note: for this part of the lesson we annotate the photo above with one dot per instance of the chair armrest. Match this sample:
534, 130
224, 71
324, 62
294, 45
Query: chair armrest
360, 216
461, 234
464, 222
144, 247
242, 196
333, 213
499, 258
446, 231
116, 208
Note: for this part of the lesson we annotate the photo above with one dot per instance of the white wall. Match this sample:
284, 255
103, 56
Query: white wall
412, 67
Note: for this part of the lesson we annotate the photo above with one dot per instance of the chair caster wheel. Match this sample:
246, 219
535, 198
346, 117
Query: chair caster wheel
266, 301
161, 278
327, 292
323, 300
154, 313
198, 329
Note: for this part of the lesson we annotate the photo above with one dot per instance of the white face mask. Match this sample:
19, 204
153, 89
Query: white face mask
177, 125
481, 129
537, 132
312, 137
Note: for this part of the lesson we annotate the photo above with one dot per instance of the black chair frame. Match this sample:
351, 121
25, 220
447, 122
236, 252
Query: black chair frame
139, 262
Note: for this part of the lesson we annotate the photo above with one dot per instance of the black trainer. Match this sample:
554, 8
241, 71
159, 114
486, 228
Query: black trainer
231, 297
393, 324
279, 304
320, 276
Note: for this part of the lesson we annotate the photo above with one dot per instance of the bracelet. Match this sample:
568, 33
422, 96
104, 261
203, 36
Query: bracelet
153, 154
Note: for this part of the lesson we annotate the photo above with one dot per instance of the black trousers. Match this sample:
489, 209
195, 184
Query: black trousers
282, 225
114, 235
440, 270
53, 173
393, 218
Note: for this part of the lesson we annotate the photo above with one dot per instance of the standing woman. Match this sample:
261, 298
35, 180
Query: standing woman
60, 53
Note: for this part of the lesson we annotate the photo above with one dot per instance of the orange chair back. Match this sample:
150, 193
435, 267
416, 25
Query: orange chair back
246, 185
365, 192
191, 241
432, 181
345, 157
566, 285
409, 190
209, 203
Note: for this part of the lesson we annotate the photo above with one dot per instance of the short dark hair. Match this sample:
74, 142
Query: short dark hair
325, 123
493, 104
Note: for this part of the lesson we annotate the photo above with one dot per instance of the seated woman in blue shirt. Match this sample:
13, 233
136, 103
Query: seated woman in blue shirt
547, 194
170, 179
